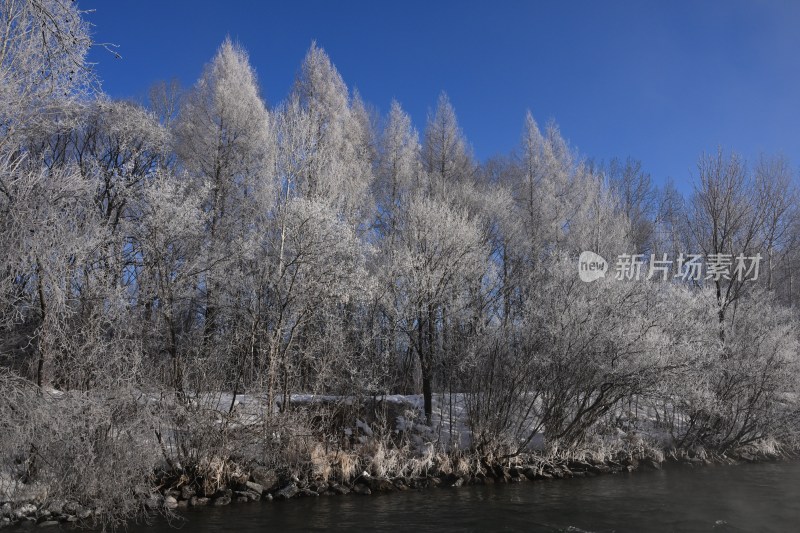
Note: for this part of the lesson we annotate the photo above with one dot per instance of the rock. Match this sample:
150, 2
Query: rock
422, 483
198, 501
320, 487
223, 496
379, 484
24, 510
631, 462
86, 513
501, 473
600, 469
239, 481
221, 500
248, 495
267, 497
458, 482
360, 488
170, 502
287, 492
56, 507
579, 466
309, 492
187, 492
400, 484
48, 523
652, 464
339, 489
242, 499
255, 487
154, 502
266, 478
448, 479
529, 473
72, 508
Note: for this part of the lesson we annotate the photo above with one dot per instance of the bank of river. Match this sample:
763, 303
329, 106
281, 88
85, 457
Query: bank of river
748, 497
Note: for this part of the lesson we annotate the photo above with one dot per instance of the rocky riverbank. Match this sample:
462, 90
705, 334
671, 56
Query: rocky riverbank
174, 492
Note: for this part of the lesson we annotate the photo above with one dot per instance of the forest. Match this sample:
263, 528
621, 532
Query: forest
202, 285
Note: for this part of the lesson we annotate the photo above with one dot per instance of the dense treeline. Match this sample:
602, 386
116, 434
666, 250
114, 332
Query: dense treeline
209, 242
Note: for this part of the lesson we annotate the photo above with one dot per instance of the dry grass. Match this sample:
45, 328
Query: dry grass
333, 465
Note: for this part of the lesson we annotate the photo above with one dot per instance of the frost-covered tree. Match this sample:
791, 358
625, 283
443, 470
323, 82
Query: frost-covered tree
48, 233
670, 230
633, 190
400, 168
43, 48
439, 250
447, 157
559, 205
167, 233
225, 140
116, 145
337, 164
318, 264
540, 187
726, 218
776, 185
747, 396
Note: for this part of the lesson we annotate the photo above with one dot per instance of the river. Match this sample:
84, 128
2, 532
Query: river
753, 497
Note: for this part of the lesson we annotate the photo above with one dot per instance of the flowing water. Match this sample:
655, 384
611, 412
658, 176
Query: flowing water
757, 497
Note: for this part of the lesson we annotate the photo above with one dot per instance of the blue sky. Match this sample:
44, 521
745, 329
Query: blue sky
658, 81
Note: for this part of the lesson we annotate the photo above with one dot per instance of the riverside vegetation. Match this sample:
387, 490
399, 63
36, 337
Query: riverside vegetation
206, 299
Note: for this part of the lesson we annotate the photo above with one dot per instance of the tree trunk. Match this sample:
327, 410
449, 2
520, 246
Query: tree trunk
40, 367
427, 391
